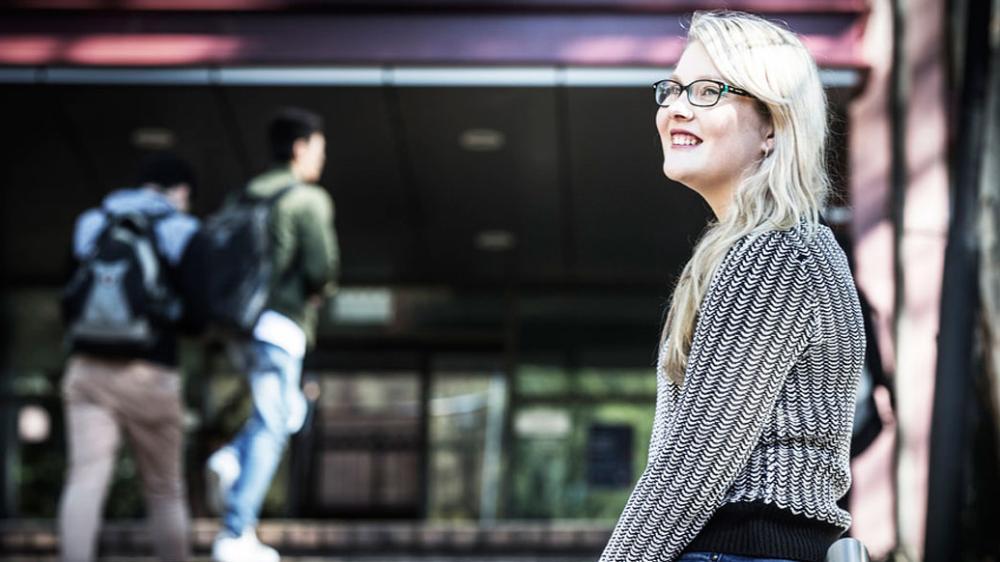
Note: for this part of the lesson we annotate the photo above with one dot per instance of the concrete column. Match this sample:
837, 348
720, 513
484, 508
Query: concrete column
900, 254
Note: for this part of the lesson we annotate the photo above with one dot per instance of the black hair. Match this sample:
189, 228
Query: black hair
165, 170
288, 125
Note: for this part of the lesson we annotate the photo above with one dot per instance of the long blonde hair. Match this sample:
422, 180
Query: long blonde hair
788, 185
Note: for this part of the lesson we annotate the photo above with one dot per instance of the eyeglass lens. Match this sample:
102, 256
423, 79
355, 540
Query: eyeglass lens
701, 93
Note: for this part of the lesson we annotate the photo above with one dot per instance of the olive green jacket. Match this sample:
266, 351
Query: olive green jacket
305, 254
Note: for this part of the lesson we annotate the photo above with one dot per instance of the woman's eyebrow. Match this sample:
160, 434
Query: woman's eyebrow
677, 79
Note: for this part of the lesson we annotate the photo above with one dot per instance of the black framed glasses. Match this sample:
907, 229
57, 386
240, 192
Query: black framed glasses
700, 93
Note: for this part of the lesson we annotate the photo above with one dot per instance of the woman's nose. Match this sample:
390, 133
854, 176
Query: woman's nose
680, 109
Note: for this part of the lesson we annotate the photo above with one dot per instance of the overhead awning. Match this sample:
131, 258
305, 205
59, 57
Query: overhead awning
389, 76
154, 33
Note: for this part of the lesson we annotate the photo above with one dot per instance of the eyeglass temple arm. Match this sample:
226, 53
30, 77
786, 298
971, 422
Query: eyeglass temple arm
735, 90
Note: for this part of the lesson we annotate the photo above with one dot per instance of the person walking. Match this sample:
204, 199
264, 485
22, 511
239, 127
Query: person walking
305, 262
124, 307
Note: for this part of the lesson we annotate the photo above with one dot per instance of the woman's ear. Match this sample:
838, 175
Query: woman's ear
768, 145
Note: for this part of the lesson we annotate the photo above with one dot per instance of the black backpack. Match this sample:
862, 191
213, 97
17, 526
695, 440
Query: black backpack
119, 299
238, 263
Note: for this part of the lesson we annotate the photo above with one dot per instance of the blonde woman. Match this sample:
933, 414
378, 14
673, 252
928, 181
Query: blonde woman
763, 344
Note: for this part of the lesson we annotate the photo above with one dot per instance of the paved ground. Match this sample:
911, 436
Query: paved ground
366, 558
340, 541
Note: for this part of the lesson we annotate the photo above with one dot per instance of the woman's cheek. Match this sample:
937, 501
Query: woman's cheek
661, 120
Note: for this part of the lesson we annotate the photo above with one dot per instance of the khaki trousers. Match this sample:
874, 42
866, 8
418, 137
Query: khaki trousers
106, 400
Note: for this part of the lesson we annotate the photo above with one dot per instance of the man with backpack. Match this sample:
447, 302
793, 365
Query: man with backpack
123, 309
302, 267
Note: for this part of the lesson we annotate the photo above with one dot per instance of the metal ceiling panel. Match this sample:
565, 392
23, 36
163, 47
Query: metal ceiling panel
112, 121
429, 181
45, 183
630, 222
514, 187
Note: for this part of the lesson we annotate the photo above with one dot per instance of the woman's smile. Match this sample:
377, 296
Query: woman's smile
681, 139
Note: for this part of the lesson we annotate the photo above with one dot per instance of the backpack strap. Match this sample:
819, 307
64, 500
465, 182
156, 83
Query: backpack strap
270, 199
141, 220
281, 193
147, 222
148, 251
149, 219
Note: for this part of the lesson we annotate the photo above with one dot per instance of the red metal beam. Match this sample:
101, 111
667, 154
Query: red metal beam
657, 6
184, 39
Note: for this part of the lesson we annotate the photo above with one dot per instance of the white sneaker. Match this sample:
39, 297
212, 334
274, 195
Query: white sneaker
244, 548
221, 472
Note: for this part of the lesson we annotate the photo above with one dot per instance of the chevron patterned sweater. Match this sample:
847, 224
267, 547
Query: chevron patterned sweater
764, 415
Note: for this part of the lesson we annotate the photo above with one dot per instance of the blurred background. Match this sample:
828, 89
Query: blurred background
483, 383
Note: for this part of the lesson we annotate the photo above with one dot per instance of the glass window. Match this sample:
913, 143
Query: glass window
566, 423
367, 444
467, 408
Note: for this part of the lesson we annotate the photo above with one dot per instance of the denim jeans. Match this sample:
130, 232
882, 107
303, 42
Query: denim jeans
274, 385
722, 557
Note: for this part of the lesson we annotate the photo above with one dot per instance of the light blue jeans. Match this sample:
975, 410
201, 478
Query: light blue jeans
274, 381
721, 557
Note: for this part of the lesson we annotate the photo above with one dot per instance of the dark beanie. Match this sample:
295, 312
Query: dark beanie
165, 169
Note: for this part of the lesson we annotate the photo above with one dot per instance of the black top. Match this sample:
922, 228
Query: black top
762, 530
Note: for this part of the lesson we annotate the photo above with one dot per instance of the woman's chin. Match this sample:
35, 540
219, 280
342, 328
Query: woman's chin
674, 174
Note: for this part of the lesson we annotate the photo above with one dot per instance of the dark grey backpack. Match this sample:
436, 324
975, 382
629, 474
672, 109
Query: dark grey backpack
238, 262
119, 297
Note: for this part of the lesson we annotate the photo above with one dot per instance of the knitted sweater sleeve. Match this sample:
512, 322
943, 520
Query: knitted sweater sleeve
753, 325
